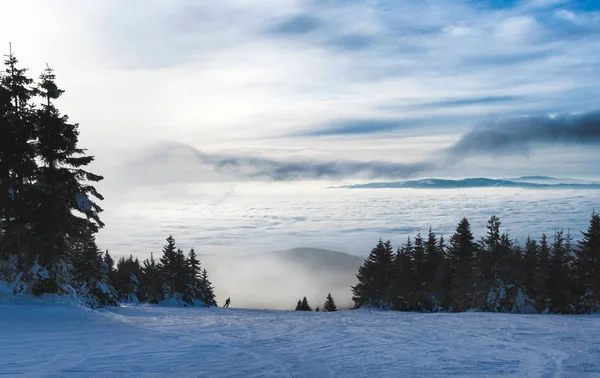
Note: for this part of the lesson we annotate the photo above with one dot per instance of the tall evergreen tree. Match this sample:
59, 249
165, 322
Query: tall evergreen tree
434, 261
17, 162
543, 296
558, 281
208, 295
461, 254
530, 267
151, 281
63, 186
587, 267
374, 277
299, 305
401, 282
168, 265
420, 300
329, 305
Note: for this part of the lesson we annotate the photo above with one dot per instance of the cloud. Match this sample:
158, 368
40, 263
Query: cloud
261, 168
298, 24
521, 135
470, 101
365, 126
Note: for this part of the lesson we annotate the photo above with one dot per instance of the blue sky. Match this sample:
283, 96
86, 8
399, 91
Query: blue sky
355, 89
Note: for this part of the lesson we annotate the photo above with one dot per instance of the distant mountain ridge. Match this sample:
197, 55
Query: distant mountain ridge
524, 182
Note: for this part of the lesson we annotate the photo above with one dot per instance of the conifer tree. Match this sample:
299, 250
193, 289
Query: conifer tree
558, 281
530, 267
329, 305
299, 305
434, 260
152, 281
208, 295
543, 269
127, 281
420, 300
304, 305
168, 266
90, 276
62, 184
587, 267
461, 253
110, 263
374, 277
317, 309
401, 283
17, 162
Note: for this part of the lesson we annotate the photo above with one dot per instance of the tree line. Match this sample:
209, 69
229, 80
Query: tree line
328, 306
494, 274
49, 214
175, 278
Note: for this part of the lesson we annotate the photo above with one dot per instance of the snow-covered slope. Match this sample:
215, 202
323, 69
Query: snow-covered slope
61, 340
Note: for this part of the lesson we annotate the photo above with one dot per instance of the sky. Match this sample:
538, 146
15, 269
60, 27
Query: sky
223, 123
296, 90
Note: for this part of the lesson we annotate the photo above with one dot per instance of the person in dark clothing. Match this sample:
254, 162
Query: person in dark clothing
227, 303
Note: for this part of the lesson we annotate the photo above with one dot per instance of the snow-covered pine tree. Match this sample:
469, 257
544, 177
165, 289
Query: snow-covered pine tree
374, 277
127, 281
329, 305
90, 275
151, 281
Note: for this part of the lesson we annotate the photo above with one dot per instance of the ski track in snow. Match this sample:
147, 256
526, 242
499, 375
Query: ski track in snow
59, 340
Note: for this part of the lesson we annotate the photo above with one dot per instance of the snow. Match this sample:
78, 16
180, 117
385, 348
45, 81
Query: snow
54, 336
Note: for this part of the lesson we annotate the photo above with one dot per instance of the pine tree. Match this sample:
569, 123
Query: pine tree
168, 266
587, 267
62, 185
17, 163
329, 305
127, 281
299, 305
90, 277
530, 267
420, 300
304, 305
461, 253
151, 281
374, 277
557, 283
543, 269
487, 263
401, 283
317, 309
208, 295
434, 261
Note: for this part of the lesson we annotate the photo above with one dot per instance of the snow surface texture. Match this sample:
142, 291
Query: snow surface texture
56, 337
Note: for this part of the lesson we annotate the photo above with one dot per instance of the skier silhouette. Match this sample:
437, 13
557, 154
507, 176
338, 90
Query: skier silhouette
227, 303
